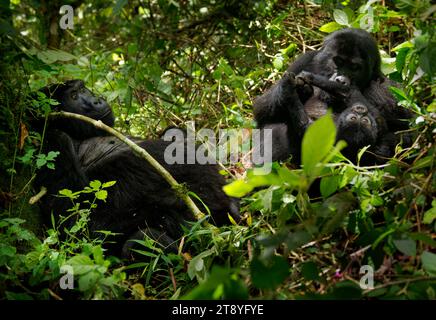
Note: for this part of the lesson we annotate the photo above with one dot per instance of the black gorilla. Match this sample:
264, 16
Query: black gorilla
141, 200
348, 57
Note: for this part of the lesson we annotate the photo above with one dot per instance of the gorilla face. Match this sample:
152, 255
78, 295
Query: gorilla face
352, 53
74, 97
357, 126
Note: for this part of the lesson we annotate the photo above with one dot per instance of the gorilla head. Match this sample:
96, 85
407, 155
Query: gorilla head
352, 53
359, 125
74, 97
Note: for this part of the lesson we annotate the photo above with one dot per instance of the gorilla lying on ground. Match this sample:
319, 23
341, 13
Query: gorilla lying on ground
141, 200
349, 57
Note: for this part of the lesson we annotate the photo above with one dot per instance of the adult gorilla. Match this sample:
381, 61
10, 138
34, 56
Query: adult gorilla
348, 55
141, 200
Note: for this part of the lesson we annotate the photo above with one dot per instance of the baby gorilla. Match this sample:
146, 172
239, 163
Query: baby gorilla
358, 122
347, 56
141, 201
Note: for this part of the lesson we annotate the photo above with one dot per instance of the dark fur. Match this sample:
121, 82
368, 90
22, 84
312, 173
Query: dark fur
141, 200
289, 106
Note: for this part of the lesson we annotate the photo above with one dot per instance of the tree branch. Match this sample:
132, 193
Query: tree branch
141, 153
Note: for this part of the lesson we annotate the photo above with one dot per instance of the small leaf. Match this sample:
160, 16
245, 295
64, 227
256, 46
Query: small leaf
40, 162
430, 214
330, 27
428, 260
341, 17
278, 62
101, 195
238, 188
108, 184
95, 184
329, 185
406, 246
67, 193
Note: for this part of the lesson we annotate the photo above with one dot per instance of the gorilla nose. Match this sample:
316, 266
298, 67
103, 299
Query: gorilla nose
97, 101
360, 109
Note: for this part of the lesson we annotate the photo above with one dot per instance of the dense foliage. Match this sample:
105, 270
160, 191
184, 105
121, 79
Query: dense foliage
162, 63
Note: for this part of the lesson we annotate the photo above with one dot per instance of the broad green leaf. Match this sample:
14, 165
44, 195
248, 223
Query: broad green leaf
50, 56
278, 62
330, 27
430, 215
101, 195
95, 184
341, 17
238, 188
329, 185
88, 281
40, 162
406, 246
317, 142
428, 260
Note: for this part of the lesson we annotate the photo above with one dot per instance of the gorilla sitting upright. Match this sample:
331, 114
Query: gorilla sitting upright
141, 201
349, 56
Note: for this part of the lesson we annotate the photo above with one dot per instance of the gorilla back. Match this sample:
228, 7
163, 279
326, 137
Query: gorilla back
141, 201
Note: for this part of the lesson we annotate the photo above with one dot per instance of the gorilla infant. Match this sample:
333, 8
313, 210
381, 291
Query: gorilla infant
344, 72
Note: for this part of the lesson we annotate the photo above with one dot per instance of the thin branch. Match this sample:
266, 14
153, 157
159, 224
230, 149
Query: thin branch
38, 196
141, 153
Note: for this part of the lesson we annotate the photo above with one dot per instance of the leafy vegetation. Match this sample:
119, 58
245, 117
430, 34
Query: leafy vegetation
306, 233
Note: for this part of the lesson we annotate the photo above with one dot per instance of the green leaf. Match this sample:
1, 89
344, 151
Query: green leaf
52, 155
278, 62
51, 56
330, 27
238, 188
269, 275
430, 214
341, 17
101, 195
8, 251
88, 281
40, 162
95, 184
329, 185
317, 142
428, 260
67, 193
406, 246
108, 184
